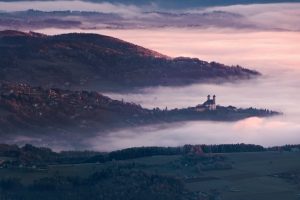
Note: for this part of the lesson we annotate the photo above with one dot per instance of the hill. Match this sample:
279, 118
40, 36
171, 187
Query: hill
26, 109
90, 61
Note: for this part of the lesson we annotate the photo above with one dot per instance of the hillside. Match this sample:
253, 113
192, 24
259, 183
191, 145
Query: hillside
90, 61
26, 109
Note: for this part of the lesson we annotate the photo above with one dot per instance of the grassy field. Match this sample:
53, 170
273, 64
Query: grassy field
253, 176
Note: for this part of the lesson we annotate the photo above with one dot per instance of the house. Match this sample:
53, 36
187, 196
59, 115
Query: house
209, 104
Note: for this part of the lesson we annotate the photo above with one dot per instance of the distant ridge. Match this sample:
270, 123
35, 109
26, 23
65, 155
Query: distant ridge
91, 61
183, 4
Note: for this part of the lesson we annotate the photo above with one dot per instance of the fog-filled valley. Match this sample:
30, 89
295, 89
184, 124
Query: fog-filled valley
275, 57
255, 36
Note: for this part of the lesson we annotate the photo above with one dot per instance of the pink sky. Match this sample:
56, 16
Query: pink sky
250, 48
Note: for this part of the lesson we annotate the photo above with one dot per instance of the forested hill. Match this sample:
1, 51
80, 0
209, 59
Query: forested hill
37, 110
26, 109
91, 61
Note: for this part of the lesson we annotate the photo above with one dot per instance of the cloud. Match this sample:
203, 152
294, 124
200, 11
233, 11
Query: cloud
283, 16
105, 7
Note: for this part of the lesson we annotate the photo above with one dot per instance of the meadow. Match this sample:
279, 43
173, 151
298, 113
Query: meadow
230, 176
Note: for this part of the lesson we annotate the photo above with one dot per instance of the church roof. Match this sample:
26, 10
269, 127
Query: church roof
209, 102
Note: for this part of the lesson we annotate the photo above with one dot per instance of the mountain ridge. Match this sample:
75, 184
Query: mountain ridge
98, 62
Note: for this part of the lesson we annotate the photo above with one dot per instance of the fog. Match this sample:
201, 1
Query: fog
269, 44
281, 16
267, 132
275, 54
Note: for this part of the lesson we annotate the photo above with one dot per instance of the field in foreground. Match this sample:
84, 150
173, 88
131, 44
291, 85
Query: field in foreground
230, 176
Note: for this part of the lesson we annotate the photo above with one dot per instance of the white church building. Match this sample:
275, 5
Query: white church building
209, 104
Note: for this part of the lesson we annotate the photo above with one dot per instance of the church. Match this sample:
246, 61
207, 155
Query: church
209, 104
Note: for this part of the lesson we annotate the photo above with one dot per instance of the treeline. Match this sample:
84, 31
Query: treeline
30, 155
289, 147
139, 152
232, 148
153, 151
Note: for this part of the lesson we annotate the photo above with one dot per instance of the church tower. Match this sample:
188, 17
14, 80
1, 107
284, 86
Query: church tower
214, 105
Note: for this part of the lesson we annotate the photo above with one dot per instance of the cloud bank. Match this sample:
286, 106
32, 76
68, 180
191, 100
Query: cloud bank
88, 15
261, 37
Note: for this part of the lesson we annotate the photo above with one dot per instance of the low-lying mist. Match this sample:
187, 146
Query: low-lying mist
275, 54
269, 44
106, 15
266, 132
